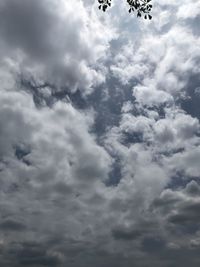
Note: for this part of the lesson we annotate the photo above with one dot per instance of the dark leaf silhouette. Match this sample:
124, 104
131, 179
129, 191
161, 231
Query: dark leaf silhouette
141, 7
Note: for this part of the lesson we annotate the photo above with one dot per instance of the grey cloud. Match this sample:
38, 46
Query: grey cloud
193, 188
180, 209
27, 25
188, 214
166, 200
153, 244
89, 180
136, 232
12, 225
29, 253
54, 48
191, 102
126, 235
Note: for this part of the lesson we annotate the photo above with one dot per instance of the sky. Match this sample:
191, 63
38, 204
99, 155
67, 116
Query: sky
99, 134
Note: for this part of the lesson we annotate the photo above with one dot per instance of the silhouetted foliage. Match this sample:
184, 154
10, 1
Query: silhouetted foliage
141, 7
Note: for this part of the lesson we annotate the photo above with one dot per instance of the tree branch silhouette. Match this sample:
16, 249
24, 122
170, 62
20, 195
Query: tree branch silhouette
141, 7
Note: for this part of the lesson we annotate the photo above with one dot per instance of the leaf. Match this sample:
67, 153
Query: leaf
142, 7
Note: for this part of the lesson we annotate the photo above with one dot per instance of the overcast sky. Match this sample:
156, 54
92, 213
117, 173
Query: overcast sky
99, 134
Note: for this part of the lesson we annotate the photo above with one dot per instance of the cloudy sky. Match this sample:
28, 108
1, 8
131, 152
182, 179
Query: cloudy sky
99, 134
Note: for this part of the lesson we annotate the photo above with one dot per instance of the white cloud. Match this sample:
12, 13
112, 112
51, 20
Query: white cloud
187, 161
189, 10
163, 58
149, 96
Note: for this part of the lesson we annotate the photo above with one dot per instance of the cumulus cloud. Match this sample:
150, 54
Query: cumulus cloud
52, 42
162, 59
99, 159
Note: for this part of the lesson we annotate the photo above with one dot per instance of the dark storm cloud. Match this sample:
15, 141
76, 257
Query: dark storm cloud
29, 254
126, 235
153, 244
12, 225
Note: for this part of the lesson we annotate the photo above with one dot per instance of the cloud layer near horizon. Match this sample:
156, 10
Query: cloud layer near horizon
99, 135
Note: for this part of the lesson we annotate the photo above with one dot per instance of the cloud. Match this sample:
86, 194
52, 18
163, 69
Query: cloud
11, 225
187, 161
181, 209
161, 62
99, 158
151, 97
52, 42
191, 10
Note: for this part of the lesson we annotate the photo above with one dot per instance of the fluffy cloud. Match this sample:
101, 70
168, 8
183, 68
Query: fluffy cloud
159, 60
58, 43
99, 161
48, 158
